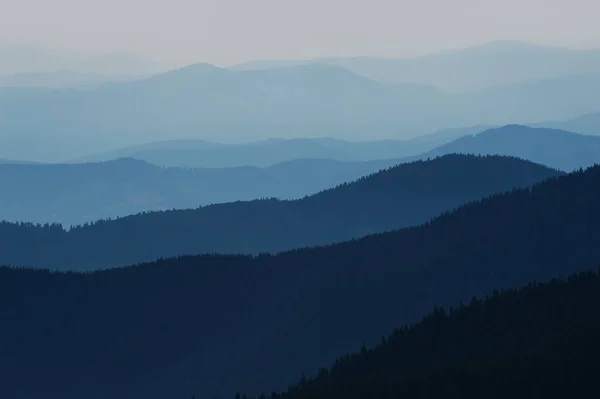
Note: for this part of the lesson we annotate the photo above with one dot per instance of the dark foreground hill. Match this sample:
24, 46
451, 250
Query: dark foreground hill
74, 194
405, 195
537, 342
551, 147
211, 325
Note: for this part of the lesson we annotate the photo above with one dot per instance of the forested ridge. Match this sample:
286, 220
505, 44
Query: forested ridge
214, 324
540, 341
405, 195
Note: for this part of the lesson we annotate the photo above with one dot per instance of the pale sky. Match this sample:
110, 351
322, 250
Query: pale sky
223, 32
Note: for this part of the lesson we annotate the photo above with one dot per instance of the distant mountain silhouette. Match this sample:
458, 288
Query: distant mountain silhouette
585, 124
551, 147
470, 69
208, 103
405, 195
479, 350
79, 193
202, 154
210, 325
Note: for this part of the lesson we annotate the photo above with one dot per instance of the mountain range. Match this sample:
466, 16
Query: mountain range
405, 195
585, 124
203, 154
74, 194
208, 232
215, 104
552, 147
210, 325
555, 148
475, 68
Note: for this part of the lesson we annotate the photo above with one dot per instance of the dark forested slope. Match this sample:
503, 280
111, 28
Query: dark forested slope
537, 342
405, 195
211, 325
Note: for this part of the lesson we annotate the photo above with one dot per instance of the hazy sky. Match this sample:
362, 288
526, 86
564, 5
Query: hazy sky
230, 31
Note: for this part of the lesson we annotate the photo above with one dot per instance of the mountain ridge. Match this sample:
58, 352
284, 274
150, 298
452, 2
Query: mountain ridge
253, 105
285, 314
404, 195
555, 148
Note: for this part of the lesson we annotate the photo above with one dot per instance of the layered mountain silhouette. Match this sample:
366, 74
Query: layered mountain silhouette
203, 154
78, 193
470, 69
408, 194
551, 147
501, 346
203, 101
210, 103
211, 325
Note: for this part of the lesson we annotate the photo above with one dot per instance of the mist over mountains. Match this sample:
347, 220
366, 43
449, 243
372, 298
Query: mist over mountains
203, 154
586, 124
201, 231
551, 147
80, 193
309, 100
34, 60
471, 69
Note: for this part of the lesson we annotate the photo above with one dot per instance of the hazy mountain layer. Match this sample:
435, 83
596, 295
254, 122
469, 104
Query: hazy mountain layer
203, 154
585, 124
471, 69
551, 147
208, 103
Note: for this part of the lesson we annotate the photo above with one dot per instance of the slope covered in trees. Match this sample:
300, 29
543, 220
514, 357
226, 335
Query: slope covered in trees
537, 342
211, 325
408, 194
74, 194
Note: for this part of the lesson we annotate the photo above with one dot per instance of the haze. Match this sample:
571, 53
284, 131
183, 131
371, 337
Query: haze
225, 32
